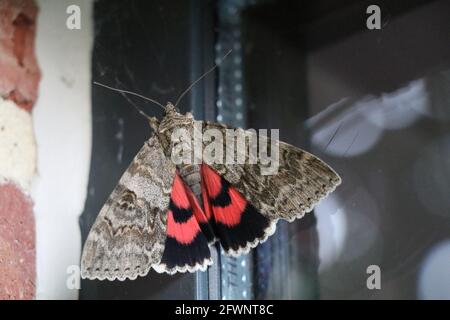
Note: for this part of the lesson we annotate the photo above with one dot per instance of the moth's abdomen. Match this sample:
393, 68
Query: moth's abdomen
192, 177
190, 174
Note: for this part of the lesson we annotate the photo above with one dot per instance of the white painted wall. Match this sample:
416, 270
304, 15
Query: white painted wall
17, 145
62, 120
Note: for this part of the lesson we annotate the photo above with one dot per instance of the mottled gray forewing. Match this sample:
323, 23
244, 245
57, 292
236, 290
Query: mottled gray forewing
302, 181
129, 233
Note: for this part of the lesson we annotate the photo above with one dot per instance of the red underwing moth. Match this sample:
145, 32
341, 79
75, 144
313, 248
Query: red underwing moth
153, 219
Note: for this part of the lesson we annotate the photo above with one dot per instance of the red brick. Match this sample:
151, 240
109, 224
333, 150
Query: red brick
17, 244
19, 71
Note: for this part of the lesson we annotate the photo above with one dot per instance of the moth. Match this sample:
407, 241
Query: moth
153, 220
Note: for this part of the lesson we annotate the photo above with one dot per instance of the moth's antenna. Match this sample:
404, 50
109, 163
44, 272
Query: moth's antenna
201, 77
131, 93
136, 107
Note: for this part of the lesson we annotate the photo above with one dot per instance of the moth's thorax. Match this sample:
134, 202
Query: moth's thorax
172, 121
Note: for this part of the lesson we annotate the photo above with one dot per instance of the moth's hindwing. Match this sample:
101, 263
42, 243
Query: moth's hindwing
129, 234
301, 181
236, 223
186, 247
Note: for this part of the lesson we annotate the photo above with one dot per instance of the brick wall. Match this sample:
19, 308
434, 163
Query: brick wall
19, 78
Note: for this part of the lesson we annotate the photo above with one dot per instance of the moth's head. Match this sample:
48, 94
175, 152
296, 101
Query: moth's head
174, 119
170, 109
